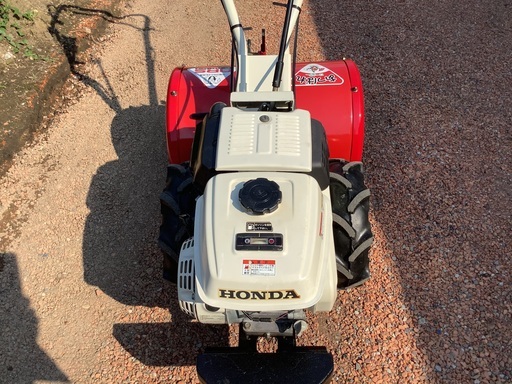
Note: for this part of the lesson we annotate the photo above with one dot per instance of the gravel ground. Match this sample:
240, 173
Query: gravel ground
82, 299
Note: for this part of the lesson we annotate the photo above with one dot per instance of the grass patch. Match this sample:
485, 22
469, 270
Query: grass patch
12, 22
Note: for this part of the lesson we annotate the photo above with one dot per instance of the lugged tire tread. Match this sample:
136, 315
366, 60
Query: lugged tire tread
337, 219
362, 247
357, 200
351, 227
341, 179
185, 184
167, 199
177, 203
348, 166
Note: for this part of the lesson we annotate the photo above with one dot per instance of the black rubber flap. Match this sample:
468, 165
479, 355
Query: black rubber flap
301, 365
260, 196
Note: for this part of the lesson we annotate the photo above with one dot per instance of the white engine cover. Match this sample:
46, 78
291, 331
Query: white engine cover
264, 141
301, 275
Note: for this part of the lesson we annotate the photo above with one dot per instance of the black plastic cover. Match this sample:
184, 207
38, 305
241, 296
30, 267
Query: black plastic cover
204, 147
319, 155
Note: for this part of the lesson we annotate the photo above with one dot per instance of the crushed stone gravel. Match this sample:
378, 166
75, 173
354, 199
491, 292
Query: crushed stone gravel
79, 267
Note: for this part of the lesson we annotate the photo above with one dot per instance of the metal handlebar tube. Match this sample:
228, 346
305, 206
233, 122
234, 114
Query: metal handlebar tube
278, 73
243, 58
293, 9
236, 28
240, 43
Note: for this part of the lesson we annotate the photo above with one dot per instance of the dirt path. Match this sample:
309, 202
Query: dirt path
81, 295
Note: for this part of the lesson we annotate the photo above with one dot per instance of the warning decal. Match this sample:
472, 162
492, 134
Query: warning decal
210, 76
259, 268
316, 74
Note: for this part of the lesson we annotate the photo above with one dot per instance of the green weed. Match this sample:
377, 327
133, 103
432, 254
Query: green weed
11, 29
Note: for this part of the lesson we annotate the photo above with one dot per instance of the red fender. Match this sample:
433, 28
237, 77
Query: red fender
331, 91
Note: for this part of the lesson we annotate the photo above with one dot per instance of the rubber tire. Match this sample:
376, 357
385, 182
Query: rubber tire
351, 226
177, 202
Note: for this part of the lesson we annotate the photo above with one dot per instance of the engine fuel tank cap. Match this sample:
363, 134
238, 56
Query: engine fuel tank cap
260, 196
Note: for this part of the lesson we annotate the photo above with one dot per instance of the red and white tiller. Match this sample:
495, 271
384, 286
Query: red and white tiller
265, 211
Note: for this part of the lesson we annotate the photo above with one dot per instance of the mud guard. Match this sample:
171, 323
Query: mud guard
330, 90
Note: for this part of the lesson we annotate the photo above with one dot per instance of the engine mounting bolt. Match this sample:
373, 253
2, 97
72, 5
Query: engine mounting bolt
247, 326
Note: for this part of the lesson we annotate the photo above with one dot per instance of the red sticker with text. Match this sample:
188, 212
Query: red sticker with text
316, 74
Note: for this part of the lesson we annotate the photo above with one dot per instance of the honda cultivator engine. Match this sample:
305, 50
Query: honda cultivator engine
265, 212
262, 233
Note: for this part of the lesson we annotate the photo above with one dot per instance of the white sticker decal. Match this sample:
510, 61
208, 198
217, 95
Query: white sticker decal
210, 76
259, 268
316, 74
259, 226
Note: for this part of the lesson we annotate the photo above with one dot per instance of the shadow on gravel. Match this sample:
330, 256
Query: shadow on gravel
21, 359
438, 115
120, 255
63, 14
123, 196
177, 343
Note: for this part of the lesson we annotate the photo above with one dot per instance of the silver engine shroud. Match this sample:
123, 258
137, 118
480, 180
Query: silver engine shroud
219, 284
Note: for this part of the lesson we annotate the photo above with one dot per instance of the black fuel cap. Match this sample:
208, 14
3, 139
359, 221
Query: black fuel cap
260, 196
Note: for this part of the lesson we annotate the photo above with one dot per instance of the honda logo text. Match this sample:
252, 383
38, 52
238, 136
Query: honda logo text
258, 295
